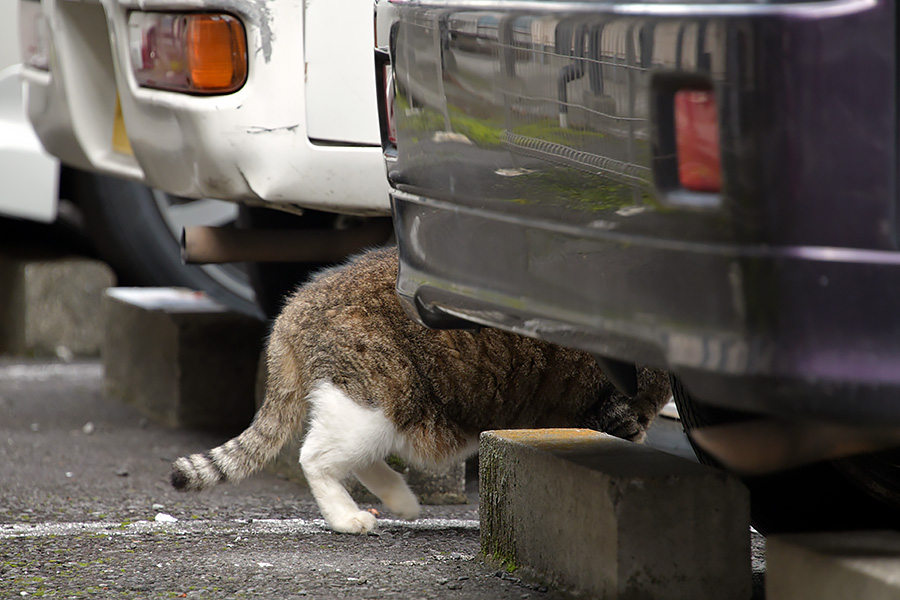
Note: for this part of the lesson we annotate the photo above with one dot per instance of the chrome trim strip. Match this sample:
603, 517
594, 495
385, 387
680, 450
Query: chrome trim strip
821, 9
809, 253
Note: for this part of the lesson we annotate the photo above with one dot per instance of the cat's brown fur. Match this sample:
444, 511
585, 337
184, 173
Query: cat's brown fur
437, 389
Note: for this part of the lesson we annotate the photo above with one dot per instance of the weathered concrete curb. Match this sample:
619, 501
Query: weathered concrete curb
826, 566
51, 306
612, 519
441, 486
180, 357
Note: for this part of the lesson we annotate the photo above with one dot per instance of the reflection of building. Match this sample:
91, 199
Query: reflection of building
575, 91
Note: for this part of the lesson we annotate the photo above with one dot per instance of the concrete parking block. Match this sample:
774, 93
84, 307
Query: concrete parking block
180, 357
612, 519
446, 485
826, 566
51, 306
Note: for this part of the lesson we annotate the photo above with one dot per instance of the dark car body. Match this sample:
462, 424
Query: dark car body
535, 188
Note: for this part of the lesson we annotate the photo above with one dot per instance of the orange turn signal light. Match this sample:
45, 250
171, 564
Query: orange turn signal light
697, 140
203, 53
217, 52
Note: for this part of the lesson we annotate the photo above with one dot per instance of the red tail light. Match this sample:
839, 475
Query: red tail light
697, 140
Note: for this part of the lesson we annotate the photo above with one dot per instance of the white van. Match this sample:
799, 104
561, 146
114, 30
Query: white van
266, 104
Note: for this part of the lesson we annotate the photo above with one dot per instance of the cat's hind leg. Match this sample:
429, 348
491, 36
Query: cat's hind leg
342, 437
391, 488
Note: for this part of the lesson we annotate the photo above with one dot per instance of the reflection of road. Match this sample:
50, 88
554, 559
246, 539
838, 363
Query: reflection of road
541, 81
525, 113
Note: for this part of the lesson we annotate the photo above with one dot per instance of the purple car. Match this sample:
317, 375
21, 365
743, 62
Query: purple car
705, 187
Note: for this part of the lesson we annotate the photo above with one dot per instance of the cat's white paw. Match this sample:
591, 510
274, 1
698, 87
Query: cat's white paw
406, 506
358, 522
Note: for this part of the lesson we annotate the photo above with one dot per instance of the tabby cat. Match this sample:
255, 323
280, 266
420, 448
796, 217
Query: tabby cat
351, 368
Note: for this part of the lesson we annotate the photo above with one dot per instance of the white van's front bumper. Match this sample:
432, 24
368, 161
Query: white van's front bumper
302, 131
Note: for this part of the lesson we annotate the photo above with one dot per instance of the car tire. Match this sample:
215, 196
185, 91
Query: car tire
135, 229
818, 497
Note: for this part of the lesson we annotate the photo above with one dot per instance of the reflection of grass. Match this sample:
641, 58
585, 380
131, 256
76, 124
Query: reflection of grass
486, 133
426, 121
489, 134
482, 133
422, 120
583, 191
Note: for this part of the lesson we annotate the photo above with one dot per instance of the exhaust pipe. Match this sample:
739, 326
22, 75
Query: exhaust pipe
209, 245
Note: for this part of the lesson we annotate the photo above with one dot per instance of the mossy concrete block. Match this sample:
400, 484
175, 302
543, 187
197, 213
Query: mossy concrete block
826, 566
446, 485
180, 357
612, 519
51, 306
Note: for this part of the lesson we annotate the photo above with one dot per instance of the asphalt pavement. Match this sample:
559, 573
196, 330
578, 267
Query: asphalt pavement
86, 511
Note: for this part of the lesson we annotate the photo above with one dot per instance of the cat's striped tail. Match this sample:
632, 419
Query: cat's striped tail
279, 418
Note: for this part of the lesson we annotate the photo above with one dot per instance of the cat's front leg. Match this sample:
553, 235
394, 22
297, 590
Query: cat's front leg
629, 418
